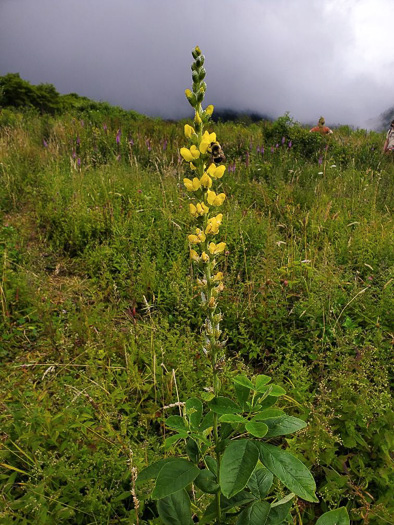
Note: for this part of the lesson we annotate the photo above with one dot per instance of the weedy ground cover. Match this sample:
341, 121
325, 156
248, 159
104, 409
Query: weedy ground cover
100, 316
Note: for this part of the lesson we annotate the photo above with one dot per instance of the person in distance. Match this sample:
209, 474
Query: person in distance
388, 146
321, 128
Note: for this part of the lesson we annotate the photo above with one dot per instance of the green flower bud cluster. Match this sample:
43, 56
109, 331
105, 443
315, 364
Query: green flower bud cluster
196, 95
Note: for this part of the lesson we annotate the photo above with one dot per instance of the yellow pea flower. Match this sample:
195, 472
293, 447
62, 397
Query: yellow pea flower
190, 154
213, 224
194, 255
216, 248
186, 154
198, 210
199, 237
206, 140
216, 172
209, 110
215, 200
212, 303
188, 93
189, 131
194, 151
204, 257
192, 185
206, 181
197, 118
218, 277
192, 166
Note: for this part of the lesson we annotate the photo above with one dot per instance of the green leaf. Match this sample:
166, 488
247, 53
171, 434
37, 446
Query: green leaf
290, 470
239, 500
211, 464
243, 381
176, 423
238, 462
256, 428
173, 439
207, 482
192, 450
279, 426
232, 418
260, 482
280, 509
224, 405
207, 422
152, 471
173, 477
272, 390
334, 517
242, 394
260, 381
256, 514
175, 509
267, 413
194, 411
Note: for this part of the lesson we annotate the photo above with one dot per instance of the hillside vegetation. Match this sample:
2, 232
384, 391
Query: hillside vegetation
100, 320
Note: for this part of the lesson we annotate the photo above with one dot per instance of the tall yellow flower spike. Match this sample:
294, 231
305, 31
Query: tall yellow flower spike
204, 190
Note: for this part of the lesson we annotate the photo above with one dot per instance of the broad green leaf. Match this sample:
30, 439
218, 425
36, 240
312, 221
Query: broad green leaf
224, 405
232, 418
238, 462
334, 517
256, 514
176, 423
211, 464
207, 422
260, 381
290, 470
194, 411
260, 482
268, 402
280, 509
192, 450
242, 498
173, 439
256, 428
242, 393
273, 390
152, 471
207, 482
174, 476
267, 413
175, 509
279, 426
243, 381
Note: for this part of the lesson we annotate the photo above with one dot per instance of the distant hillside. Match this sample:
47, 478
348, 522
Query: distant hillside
19, 93
230, 115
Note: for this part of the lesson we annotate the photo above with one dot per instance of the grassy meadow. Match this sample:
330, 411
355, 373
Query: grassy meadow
100, 323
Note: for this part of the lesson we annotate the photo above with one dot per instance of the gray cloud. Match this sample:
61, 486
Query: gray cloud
308, 57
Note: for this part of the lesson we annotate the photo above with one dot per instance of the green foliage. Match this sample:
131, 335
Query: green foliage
100, 317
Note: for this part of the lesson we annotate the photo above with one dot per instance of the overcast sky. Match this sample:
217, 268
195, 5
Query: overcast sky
309, 57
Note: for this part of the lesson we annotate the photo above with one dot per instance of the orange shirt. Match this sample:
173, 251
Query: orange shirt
324, 130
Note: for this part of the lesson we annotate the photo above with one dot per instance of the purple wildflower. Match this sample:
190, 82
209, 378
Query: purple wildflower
283, 140
131, 142
118, 136
247, 159
320, 161
290, 144
165, 144
262, 150
105, 127
79, 162
45, 143
73, 154
78, 140
272, 149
